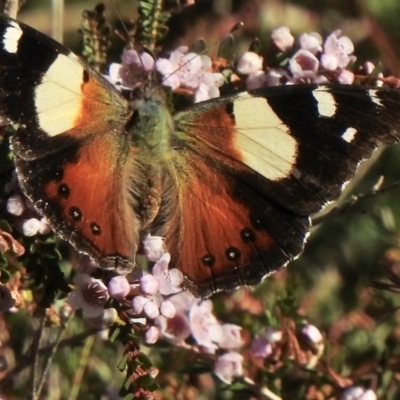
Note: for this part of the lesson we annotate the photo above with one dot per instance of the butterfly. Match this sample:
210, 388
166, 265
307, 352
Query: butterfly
229, 183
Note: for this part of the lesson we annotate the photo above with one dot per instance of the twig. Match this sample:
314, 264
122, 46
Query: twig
354, 200
54, 349
26, 359
81, 368
37, 344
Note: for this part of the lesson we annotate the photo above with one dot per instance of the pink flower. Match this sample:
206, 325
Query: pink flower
148, 284
368, 67
303, 63
152, 306
167, 309
119, 287
312, 333
182, 68
153, 247
262, 345
256, 80
44, 227
89, 294
15, 205
311, 42
259, 79
345, 77
282, 38
249, 63
231, 337
152, 335
175, 329
31, 227
169, 280
312, 338
229, 366
358, 393
192, 71
133, 69
205, 328
337, 51
151, 310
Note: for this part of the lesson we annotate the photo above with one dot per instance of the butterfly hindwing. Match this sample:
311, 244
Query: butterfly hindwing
230, 234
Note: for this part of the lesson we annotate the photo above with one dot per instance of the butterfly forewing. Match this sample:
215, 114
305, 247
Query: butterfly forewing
72, 153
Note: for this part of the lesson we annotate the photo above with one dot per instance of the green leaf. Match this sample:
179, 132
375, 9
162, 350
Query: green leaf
5, 275
145, 381
144, 360
122, 363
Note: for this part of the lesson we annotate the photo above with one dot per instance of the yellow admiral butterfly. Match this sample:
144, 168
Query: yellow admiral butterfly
229, 183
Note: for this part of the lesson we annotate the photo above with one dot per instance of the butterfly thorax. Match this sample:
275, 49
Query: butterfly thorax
151, 124
149, 130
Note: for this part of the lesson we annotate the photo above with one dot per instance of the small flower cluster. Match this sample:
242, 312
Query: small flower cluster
314, 61
158, 302
22, 208
181, 70
311, 63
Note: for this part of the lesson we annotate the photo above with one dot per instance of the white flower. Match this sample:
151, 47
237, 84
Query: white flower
174, 329
191, 71
345, 77
44, 227
15, 205
249, 63
132, 70
89, 294
205, 328
303, 62
229, 366
153, 247
180, 69
312, 333
152, 335
167, 309
337, 50
358, 393
31, 227
311, 42
231, 337
282, 38
169, 280
149, 284
119, 287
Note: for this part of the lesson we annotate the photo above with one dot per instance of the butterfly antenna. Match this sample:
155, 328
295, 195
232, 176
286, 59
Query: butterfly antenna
126, 30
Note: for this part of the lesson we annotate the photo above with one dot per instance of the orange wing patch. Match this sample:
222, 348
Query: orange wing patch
227, 236
85, 195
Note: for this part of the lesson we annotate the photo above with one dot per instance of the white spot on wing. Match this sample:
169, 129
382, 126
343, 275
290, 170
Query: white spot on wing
58, 97
11, 37
263, 139
326, 102
349, 134
375, 99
